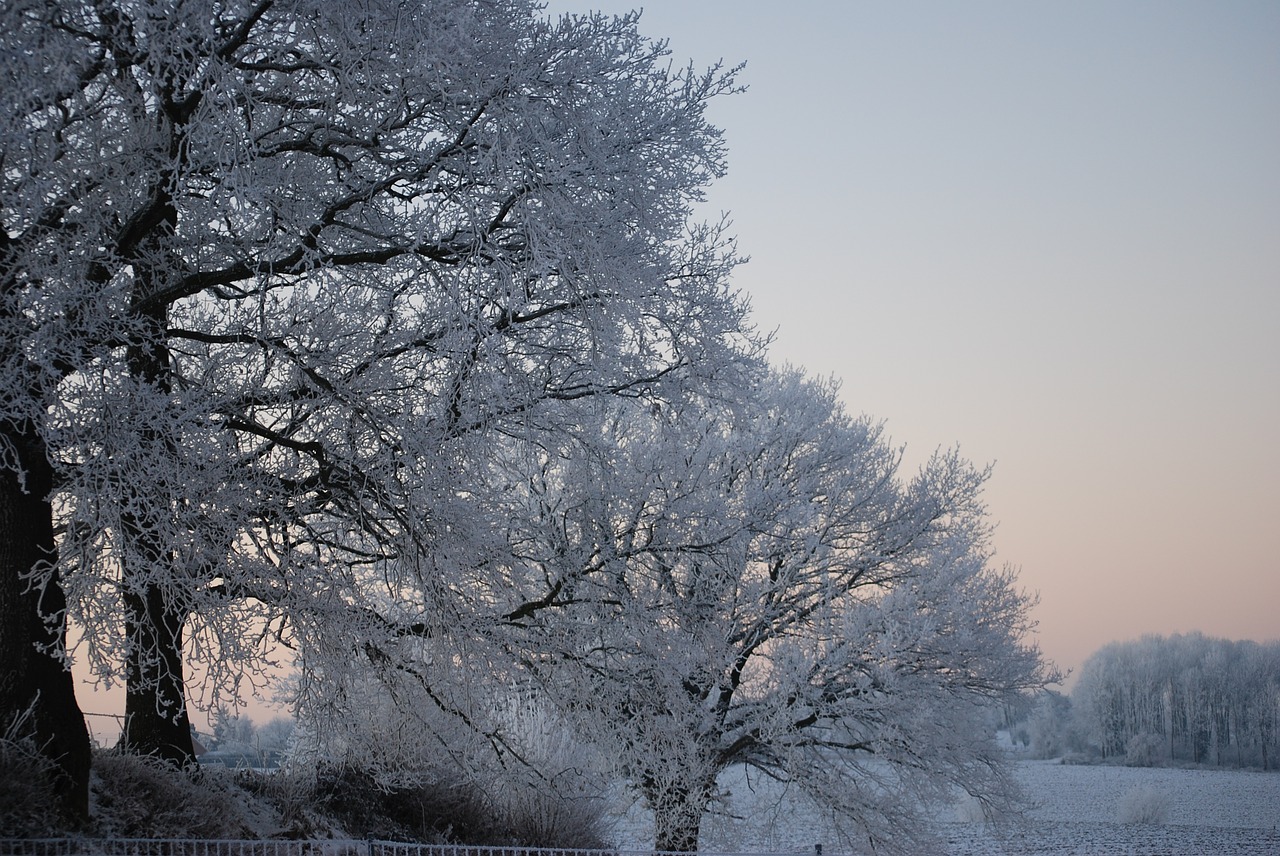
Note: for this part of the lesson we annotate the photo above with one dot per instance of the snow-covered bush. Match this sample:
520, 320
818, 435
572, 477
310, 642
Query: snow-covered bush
1143, 804
291, 795
141, 797
1144, 749
475, 763
969, 809
556, 794
434, 811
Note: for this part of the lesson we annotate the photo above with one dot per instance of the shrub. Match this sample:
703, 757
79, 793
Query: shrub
29, 805
1143, 804
139, 797
555, 796
455, 810
969, 809
1144, 750
550, 817
431, 812
291, 795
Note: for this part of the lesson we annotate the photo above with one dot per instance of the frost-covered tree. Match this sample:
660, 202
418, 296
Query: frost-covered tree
702, 583
1183, 697
273, 272
1050, 727
232, 730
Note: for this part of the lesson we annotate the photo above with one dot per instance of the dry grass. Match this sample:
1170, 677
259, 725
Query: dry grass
136, 797
1142, 805
29, 805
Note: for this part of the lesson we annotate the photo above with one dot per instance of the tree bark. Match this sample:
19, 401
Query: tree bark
33, 632
155, 715
156, 721
677, 816
155, 712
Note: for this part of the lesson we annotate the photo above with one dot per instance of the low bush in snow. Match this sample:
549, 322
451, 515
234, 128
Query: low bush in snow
511, 813
431, 812
969, 809
290, 799
1142, 805
549, 817
554, 795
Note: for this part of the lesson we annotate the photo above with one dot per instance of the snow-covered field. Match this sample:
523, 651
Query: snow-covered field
1224, 798
1080, 811
1077, 810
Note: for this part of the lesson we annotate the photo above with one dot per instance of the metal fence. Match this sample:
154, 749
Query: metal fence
364, 847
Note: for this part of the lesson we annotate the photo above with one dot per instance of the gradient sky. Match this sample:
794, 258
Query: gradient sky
1048, 233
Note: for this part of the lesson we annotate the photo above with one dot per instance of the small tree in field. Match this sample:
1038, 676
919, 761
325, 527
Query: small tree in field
706, 583
273, 272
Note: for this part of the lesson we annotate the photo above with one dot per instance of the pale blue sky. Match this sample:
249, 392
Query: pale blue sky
1046, 232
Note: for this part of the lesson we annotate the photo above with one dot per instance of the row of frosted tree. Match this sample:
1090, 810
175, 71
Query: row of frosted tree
376, 342
1183, 698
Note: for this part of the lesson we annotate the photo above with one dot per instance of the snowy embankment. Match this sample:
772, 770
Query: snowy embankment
1076, 810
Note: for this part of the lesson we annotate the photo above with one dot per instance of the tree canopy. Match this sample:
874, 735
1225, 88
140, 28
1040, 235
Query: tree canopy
270, 268
384, 333
750, 579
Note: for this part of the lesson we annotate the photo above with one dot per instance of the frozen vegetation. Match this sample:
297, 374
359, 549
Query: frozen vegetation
376, 344
1071, 809
1185, 700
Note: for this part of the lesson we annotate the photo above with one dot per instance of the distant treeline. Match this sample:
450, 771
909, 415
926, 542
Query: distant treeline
1178, 699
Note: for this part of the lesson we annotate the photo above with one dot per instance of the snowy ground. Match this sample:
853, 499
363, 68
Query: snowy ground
1091, 794
1077, 811
1208, 812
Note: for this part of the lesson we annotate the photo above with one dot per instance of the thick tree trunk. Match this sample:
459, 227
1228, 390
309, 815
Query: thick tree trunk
677, 816
33, 631
155, 713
